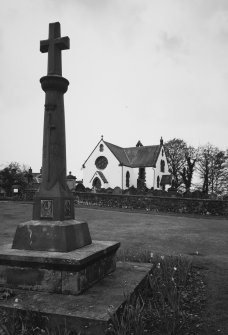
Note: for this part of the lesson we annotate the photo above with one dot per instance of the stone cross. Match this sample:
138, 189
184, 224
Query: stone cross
54, 45
54, 201
53, 227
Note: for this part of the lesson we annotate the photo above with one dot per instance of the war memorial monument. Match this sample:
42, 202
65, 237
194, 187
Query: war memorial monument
53, 266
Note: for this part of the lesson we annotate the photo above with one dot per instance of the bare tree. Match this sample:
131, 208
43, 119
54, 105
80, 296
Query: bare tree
181, 160
210, 160
223, 178
175, 150
189, 168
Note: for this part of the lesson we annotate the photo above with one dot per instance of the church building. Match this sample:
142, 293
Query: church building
109, 165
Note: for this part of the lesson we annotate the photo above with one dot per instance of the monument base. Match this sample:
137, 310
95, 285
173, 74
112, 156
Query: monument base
89, 313
58, 272
60, 236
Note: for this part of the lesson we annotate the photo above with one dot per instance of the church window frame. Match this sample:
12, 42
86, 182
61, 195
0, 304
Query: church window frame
101, 162
162, 166
101, 148
158, 181
127, 179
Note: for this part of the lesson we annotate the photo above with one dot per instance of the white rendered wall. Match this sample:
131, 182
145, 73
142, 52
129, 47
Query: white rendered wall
150, 177
158, 168
132, 180
113, 172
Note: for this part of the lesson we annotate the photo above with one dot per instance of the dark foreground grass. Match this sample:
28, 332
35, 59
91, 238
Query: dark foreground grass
171, 301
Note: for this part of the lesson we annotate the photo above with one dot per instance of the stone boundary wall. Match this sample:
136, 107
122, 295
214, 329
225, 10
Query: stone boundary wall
146, 203
154, 204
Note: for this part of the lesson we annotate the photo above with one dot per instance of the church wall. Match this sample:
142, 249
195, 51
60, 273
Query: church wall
158, 168
150, 172
132, 179
135, 174
113, 172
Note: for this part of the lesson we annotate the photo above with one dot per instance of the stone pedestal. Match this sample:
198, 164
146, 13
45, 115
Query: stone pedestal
60, 236
85, 314
58, 272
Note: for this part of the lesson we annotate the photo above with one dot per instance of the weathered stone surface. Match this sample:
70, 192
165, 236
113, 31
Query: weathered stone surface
88, 313
61, 236
31, 279
68, 273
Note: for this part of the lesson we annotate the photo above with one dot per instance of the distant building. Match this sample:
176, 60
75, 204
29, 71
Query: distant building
71, 181
35, 179
109, 165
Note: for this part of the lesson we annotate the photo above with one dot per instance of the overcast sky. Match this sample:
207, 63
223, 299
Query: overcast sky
138, 70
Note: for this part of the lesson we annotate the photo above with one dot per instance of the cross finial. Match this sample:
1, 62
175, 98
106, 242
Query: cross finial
54, 45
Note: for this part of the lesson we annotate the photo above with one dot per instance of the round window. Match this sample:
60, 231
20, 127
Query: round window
101, 162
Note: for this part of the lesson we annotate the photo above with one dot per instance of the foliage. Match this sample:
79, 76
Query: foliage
170, 302
188, 169
181, 160
209, 166
223, 177
175, 154
13, 174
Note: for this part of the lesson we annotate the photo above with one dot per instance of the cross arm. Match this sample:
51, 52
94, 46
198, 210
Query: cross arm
44, 46
63, 43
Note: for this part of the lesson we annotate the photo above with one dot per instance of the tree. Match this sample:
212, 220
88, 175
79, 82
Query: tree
11, 175
188, 169
223, 178
175, 150
210, 160
181, 160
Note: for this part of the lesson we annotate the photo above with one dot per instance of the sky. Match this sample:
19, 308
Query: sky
138, 70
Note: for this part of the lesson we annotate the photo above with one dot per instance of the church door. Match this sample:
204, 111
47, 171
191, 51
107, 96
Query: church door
97, 183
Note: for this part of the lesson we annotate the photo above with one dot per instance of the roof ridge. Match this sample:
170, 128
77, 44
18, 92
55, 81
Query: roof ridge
144, 146
113, 145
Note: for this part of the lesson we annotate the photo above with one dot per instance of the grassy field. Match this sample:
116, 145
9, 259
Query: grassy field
203, 239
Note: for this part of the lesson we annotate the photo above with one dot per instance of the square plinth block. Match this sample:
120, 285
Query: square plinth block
86, 314
61, 236
60, 272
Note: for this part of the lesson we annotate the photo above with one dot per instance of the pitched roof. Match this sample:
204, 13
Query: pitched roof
119, 153
142, 156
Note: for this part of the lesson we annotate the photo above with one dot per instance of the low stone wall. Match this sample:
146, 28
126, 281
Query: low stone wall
156, 204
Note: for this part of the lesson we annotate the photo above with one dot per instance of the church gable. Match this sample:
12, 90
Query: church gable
101, 168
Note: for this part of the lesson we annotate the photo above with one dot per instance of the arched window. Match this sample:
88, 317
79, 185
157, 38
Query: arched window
158, 182
162, 166
127, 179
101, 147
162, 152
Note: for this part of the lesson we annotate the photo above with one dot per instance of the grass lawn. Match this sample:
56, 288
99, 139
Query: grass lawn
204, 239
